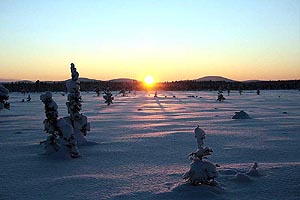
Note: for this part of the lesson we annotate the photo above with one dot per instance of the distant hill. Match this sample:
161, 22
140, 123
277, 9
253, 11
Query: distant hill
24, 81
122, 80
87, 80
4, 80
214, 78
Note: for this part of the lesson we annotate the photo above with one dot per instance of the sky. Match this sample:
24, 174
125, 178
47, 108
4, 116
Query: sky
168, 39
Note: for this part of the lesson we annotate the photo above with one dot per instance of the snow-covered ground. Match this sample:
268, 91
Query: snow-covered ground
142, 147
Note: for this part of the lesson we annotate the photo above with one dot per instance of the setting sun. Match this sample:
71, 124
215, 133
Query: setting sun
149, 80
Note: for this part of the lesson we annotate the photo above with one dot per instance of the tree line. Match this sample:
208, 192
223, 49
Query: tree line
60, 86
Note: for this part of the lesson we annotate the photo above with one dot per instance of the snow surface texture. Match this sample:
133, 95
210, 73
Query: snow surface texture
143, 143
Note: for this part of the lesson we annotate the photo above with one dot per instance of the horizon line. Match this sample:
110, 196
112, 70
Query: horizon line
7, 80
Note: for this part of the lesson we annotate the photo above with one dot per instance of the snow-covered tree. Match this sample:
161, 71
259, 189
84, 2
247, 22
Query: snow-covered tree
220, 97
77, 120
108, 97
201, 170
258, 92
61, 139
97, 90
4, 97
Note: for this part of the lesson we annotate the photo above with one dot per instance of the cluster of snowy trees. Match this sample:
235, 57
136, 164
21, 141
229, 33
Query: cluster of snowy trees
65, 133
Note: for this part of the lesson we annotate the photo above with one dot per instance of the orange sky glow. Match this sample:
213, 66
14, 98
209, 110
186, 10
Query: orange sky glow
170, 40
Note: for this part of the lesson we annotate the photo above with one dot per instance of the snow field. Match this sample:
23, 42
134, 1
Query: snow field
142, 147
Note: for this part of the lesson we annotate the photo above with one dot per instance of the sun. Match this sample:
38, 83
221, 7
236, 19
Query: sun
149, 80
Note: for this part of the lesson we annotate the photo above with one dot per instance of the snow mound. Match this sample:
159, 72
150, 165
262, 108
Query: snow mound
241, 115
242, 177
201, 171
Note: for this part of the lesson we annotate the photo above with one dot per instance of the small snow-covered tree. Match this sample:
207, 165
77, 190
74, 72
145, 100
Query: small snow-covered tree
97, 90
258, 92
77, 120
201, 170
108, 97
4, 97
220, 97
